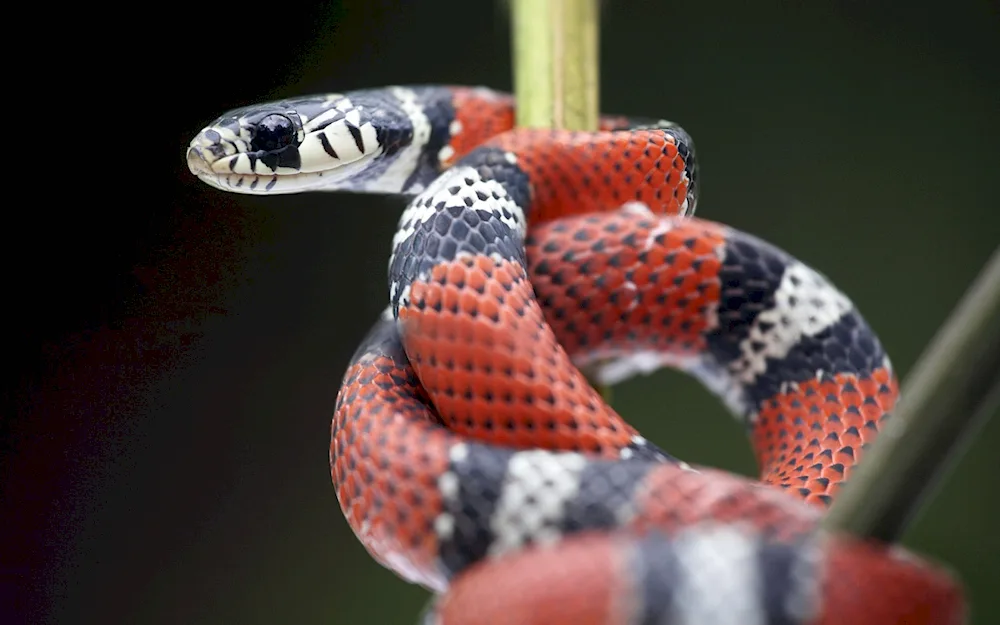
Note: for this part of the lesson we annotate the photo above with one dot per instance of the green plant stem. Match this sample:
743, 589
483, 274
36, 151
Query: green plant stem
556, 63
952, 391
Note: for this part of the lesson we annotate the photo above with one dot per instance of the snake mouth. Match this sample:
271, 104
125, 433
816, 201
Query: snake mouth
216, 173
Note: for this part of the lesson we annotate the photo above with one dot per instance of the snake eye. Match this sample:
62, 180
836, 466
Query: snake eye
273, 132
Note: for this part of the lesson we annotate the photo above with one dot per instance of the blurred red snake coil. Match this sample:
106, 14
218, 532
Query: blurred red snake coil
470, 454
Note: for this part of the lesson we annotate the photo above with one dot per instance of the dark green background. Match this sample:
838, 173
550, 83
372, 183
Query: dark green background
169, 452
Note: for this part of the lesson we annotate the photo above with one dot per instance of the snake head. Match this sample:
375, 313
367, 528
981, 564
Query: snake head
321, 142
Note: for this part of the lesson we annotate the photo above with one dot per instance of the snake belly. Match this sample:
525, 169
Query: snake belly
469, 453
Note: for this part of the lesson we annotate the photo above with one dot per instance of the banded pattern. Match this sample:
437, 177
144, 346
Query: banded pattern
469, 453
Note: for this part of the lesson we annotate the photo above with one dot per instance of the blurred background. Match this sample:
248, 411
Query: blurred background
166, 439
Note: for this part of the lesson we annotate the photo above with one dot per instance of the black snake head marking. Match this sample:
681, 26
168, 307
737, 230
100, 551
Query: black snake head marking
321, 142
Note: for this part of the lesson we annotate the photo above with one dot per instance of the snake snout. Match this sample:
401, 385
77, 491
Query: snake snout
207, 148
197, 163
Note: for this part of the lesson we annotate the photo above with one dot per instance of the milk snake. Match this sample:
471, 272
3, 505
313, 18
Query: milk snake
469, 453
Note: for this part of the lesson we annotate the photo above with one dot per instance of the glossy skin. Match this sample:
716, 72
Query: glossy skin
469, 453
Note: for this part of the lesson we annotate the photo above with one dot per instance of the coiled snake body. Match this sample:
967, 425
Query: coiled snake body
469, 453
